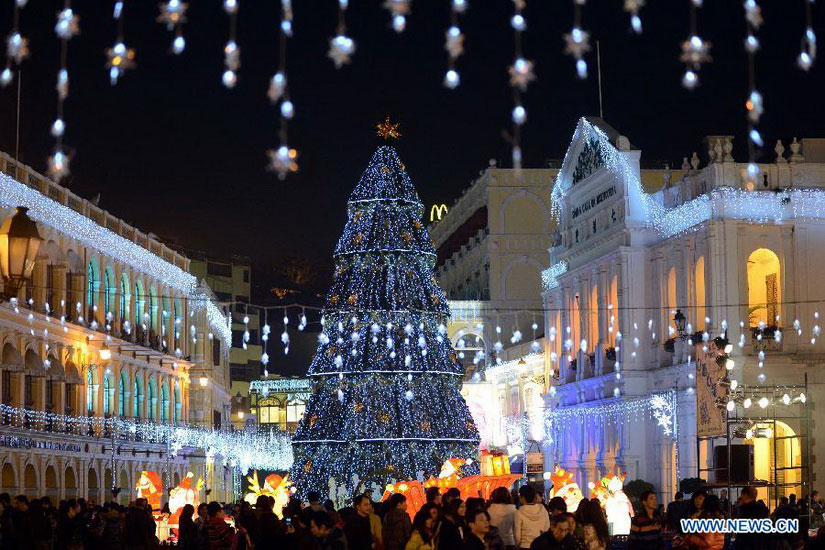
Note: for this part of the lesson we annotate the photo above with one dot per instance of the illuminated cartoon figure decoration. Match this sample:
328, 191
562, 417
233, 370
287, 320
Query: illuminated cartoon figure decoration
184, 494
617, 507
566, 488
448, 477
150, 487
274, 486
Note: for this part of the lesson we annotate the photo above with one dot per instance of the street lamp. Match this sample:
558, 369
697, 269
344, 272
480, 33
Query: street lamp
19, 243
679, 320
204, 381
105, 353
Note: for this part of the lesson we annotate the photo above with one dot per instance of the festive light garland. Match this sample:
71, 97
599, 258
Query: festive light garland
341, 46
550, 276
521, 73
577, 41
807, 53
753, 103
173, 15
119, 57
67, 27
282, 160
17, 47
660, 406
454, 44
695, 51
266, 450
231, 50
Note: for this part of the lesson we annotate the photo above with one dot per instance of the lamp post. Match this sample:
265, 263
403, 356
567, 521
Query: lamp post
679, 320
19, 243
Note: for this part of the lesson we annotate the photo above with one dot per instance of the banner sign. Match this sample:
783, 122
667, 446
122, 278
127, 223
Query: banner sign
710, 419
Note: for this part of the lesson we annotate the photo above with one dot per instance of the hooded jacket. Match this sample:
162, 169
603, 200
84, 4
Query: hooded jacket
531, 521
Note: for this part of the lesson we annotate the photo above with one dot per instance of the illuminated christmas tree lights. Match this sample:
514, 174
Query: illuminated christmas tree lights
386, 402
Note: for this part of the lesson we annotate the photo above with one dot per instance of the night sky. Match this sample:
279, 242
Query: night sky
175, 153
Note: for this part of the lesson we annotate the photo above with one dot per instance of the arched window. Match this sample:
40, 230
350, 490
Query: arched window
176, 419
108, 394
164, 402
122, 394
91, 388
140, 303
108, 280
124, 297
700, 293
671, 297
137, 398
271, 411
153, 399
92, 285
764, 287
153, 308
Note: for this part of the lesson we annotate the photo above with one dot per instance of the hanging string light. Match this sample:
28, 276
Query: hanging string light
173, 15
399, 9
67, 26
695, 51
454, 44
577, 41
17, 47
341, 46
231, 50
753, 103
285, 334
265, 339
521, 73
119, 58
807, 55
632, 7
282, 160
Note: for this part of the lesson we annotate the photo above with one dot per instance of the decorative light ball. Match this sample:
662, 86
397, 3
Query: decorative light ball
764, 402
747, 403
229, 78
178, 45
731, 406
786, 399
408, 395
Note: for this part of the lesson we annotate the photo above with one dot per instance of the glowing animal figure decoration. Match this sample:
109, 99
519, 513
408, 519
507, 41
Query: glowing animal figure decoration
274, 486
184, 494
566, 488
150, 487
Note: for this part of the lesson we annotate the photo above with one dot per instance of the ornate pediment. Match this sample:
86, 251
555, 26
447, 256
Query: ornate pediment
591, 158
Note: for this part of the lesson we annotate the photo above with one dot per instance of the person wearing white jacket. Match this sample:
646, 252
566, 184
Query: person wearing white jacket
503, 515
531, 520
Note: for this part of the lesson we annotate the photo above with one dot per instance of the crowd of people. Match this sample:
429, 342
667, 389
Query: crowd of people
444, 522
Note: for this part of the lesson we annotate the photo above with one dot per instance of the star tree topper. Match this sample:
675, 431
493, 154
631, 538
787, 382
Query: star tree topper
388, 130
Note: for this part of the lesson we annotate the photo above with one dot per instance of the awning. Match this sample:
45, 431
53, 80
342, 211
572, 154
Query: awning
11, 360
72, 375
33, 364
55, 368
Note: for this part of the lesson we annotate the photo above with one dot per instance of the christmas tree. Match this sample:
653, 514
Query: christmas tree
386, 402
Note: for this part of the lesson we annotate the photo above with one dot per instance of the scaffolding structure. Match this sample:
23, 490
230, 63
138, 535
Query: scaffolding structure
750, 421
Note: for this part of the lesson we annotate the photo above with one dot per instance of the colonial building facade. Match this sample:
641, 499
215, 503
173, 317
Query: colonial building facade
640, 283
110, 326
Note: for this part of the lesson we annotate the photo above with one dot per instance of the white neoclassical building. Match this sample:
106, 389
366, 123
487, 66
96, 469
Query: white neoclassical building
110, 326
735, 256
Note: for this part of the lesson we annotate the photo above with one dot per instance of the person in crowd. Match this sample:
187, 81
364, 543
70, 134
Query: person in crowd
751, 508
219, 534
67, 536
397, 526
557, 537
697, 501
531, 519
675, 512
358, 526
329, 536
502, 513
433, 512
424, 531
576, 536
594, 528
451, 494
314, 498
298, 530
187, 531
269, 534
557, 506
21, 525
111, 528
40, 526
247, 530
724, 501
817, 510
139, 529
492, 537
646, 526
6, 526
478, 525
791, 541
433, 496
451, 529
